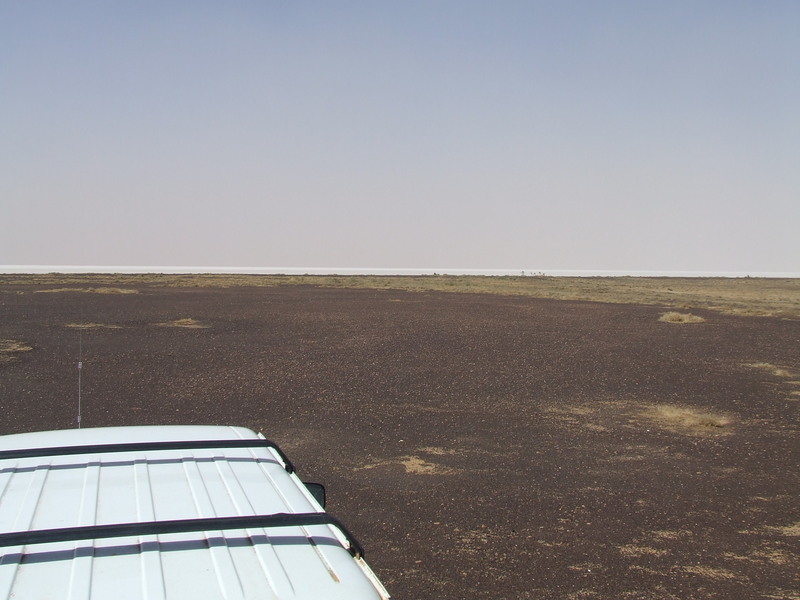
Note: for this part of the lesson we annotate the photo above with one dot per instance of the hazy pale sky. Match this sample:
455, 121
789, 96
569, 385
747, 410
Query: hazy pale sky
616, 135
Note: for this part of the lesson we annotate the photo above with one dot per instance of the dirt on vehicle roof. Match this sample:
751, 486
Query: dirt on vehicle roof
478, 445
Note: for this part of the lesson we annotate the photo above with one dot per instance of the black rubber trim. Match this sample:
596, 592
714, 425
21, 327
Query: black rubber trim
147, 446
92, 532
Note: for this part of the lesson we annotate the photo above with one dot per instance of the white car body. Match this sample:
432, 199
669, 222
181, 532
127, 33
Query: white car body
172, 512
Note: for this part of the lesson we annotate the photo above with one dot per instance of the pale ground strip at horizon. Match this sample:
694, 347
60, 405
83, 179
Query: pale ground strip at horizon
743, 296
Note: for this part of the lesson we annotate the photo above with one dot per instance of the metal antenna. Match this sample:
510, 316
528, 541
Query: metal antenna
80, 368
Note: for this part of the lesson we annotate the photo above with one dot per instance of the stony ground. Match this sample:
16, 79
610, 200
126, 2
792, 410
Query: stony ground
478, 446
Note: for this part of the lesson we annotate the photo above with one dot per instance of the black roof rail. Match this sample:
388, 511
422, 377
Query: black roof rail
91, 532
147, 446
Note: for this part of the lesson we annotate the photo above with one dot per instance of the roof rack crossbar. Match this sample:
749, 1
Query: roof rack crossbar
146, 446
91, 532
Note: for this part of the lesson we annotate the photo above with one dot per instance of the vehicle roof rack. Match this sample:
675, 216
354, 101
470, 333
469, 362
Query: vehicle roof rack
147, 446
91, 532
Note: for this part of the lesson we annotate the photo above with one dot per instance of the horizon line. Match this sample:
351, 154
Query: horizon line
345, 271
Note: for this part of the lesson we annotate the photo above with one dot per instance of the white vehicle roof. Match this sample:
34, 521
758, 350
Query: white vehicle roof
184, 512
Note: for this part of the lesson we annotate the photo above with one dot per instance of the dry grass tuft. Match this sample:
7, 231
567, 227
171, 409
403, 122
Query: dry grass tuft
711, 572
770, 368
789, 530
92, 326
676, 317
184, 323
10, 348
437, 451
612, 415
780, 594
414, 465
770, 554
634, 551
686, 419
420, 466
669, 534
99, 290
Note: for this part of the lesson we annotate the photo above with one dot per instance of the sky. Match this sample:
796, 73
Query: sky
577, 134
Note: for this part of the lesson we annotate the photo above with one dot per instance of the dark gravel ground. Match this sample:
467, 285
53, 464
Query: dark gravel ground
478, 446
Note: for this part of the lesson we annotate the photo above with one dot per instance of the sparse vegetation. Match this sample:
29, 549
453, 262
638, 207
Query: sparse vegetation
678, 317
10, 348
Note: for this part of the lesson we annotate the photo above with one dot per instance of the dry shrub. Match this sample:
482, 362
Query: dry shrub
414, 465
676, 317
711, 572
185, 323
770, 368
687, 419
788, 530
10, 348
420, 466
634, 551
437, 451
111, 290
100, 290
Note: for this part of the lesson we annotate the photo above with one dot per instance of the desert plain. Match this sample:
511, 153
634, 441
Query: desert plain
520, 438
